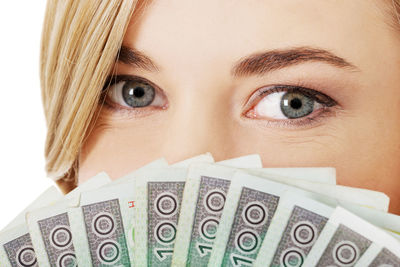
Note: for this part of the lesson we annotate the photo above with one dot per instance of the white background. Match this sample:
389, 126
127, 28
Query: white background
23, 127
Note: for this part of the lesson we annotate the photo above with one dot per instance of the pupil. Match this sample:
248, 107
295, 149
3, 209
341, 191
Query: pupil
296, 103
138, 92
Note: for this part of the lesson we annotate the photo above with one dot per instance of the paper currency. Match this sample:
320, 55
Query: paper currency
195, 246
207, 157
158, 250
295, 228
345, 238
16, 248
50, 228
314, 175
244, 189
384, 220
252, 161
204, 200
381, 253
48, 197
200, 213
102, 226
157, 214
250, 205
160, 163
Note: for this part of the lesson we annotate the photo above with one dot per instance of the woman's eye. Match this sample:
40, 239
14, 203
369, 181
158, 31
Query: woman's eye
134, 92
289, 103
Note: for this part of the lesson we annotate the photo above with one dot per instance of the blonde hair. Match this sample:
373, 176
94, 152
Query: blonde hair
80, 43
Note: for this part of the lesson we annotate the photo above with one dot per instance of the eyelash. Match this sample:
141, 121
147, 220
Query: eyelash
308, 121
329, 105
115, 79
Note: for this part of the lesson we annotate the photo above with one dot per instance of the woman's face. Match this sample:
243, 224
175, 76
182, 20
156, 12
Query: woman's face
302, 83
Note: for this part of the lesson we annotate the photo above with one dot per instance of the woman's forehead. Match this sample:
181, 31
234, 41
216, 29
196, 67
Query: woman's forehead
181, 33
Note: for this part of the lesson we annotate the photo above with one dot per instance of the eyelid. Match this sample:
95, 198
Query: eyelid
330, 108
115, 79
266, 90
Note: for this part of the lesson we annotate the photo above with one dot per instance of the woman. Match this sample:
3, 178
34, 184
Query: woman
302, 83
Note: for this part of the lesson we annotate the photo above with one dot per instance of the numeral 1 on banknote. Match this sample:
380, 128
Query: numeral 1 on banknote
164, 200
210, 204
253, 216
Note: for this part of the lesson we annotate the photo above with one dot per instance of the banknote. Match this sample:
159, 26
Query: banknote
247, 188
194, 247
162, 163
217, 184
297, 224
324, 175
362, 197
344, 240
203, 201
159, 163
48, 197
49, 227
206, 157
157, 213
384, 220
249, 208
252, 161
385, 251
155, 250
101, 227
16, 247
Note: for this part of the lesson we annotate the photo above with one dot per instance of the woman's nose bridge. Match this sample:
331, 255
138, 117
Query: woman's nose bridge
196, 123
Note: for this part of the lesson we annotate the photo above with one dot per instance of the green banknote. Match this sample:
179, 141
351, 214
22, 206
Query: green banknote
384, 220
199, 223
324, 175
49, 227
381, 253
228, 247
203, 202
158, 207
206, 157
295, 228
16, 248
102, 226
159, 163
250, 205
345, 239
252, 161
206, 186
48, 197
162, 163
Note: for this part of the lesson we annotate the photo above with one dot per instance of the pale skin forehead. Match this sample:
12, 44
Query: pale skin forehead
195, 44
220, 32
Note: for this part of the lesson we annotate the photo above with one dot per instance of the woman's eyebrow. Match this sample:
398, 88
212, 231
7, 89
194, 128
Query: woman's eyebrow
264, 62
254, 64
137, 59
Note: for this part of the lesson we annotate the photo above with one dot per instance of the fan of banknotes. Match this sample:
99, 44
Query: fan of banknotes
198, 212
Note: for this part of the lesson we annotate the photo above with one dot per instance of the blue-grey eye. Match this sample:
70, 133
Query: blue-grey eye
296, 105
134, 92
288, 102
137, 94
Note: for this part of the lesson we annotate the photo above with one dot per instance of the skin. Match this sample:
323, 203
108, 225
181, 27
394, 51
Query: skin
195, 44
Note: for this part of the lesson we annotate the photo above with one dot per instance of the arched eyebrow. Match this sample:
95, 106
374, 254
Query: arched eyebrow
264, 62
254, 64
